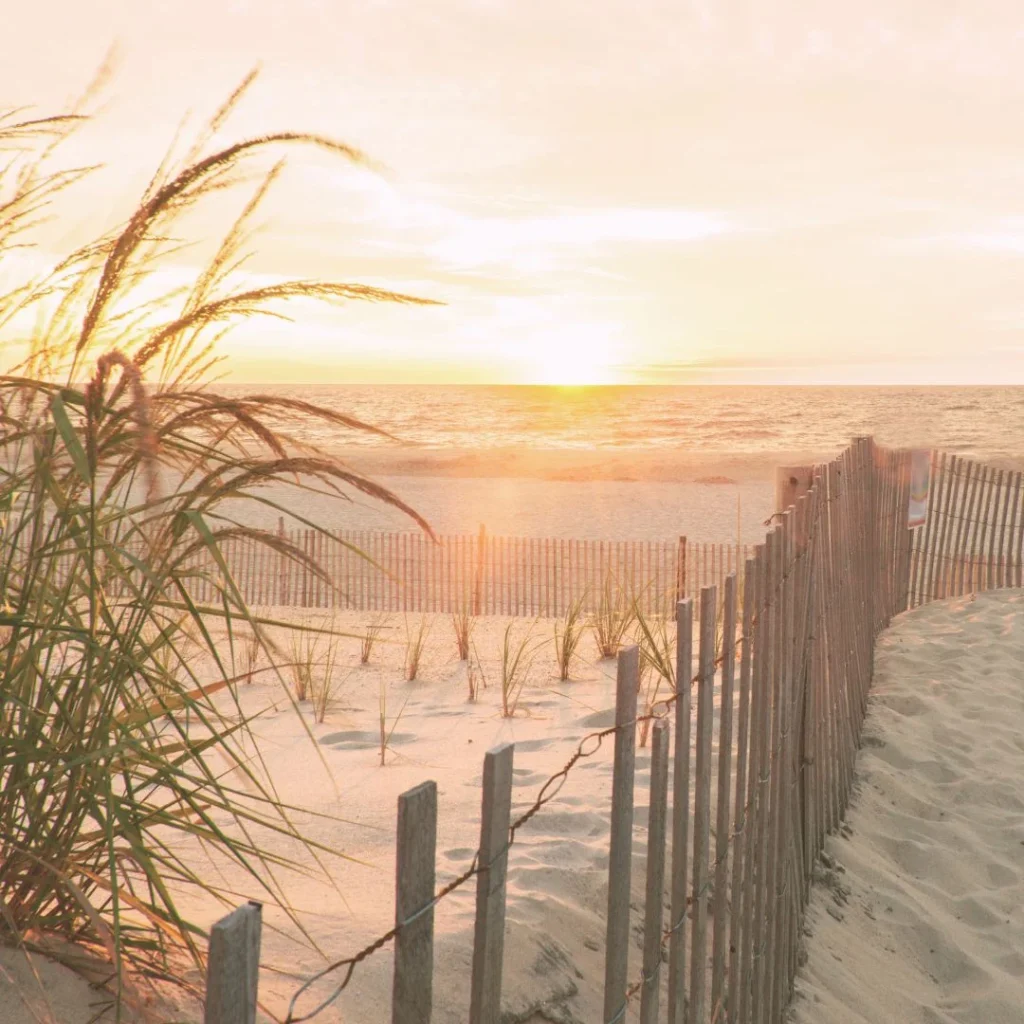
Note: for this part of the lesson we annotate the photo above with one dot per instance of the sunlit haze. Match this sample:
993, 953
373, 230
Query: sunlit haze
597, 192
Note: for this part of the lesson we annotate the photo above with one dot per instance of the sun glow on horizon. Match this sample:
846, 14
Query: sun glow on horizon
572, 354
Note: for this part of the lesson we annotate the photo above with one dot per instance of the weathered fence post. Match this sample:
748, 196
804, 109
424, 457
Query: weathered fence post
232, 969
790, 483
489, 936
412, 989
621, 844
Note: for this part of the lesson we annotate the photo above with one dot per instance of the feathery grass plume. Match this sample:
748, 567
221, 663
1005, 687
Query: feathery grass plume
657, 661
371, 635
516, 661
612, 619
568, 634
385, 732
415, 640
124, 480
324, 683
464, 623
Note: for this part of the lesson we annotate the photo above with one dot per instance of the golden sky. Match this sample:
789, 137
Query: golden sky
603, 190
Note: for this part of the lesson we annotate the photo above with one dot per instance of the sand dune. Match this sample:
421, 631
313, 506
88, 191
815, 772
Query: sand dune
919, 920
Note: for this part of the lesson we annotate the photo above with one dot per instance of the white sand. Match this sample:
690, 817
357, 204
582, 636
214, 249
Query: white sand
932, 929
924, 923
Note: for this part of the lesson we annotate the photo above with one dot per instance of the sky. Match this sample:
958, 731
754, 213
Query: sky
663, 192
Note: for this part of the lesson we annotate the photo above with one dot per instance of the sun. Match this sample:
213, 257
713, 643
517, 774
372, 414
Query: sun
574, 359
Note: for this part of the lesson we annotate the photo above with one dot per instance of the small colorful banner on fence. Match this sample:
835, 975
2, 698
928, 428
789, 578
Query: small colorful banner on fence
920, 481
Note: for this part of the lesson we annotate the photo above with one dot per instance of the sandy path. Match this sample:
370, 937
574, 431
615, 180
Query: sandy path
923, 922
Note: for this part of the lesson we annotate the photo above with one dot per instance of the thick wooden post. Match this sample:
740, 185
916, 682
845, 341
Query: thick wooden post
412, 988
621, 845
489, 937
790, 483
232, 970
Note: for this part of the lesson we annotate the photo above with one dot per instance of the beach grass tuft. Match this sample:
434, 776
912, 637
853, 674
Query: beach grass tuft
374, 628
568, 634
613, 617
517, 657
463, 622
415, 642
324, 684
657, 661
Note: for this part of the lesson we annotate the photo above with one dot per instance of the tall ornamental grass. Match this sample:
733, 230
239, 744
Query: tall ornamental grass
122, 474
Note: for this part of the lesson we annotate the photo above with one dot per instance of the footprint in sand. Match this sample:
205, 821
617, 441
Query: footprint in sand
357, 740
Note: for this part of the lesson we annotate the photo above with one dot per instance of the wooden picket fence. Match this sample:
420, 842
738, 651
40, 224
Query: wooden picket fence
755, 788
973, 538
488, 575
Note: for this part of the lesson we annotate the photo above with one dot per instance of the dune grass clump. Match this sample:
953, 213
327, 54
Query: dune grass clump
415, 642
568, 634
516, 661
374, 628
463, 623
303, 662
250, 654
324, 684
385, 733
612, 619
123, 474
657, 662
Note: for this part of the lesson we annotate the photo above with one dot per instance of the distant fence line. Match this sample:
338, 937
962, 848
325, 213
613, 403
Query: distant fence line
973, 538
489, 575
756, 787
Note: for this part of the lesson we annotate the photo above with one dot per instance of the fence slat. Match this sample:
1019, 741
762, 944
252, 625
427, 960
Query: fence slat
489, 935
741, 850
232, 969
621, 842
723, 826
702, 804
680, 814
412, 989
651, 986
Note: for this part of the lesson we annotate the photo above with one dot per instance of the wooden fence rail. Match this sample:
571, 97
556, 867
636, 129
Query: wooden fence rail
766, 778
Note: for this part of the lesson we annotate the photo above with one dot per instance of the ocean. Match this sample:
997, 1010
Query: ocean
621, 462
987, 422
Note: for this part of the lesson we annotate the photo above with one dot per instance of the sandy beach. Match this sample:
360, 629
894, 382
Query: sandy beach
918, 918
920, 893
